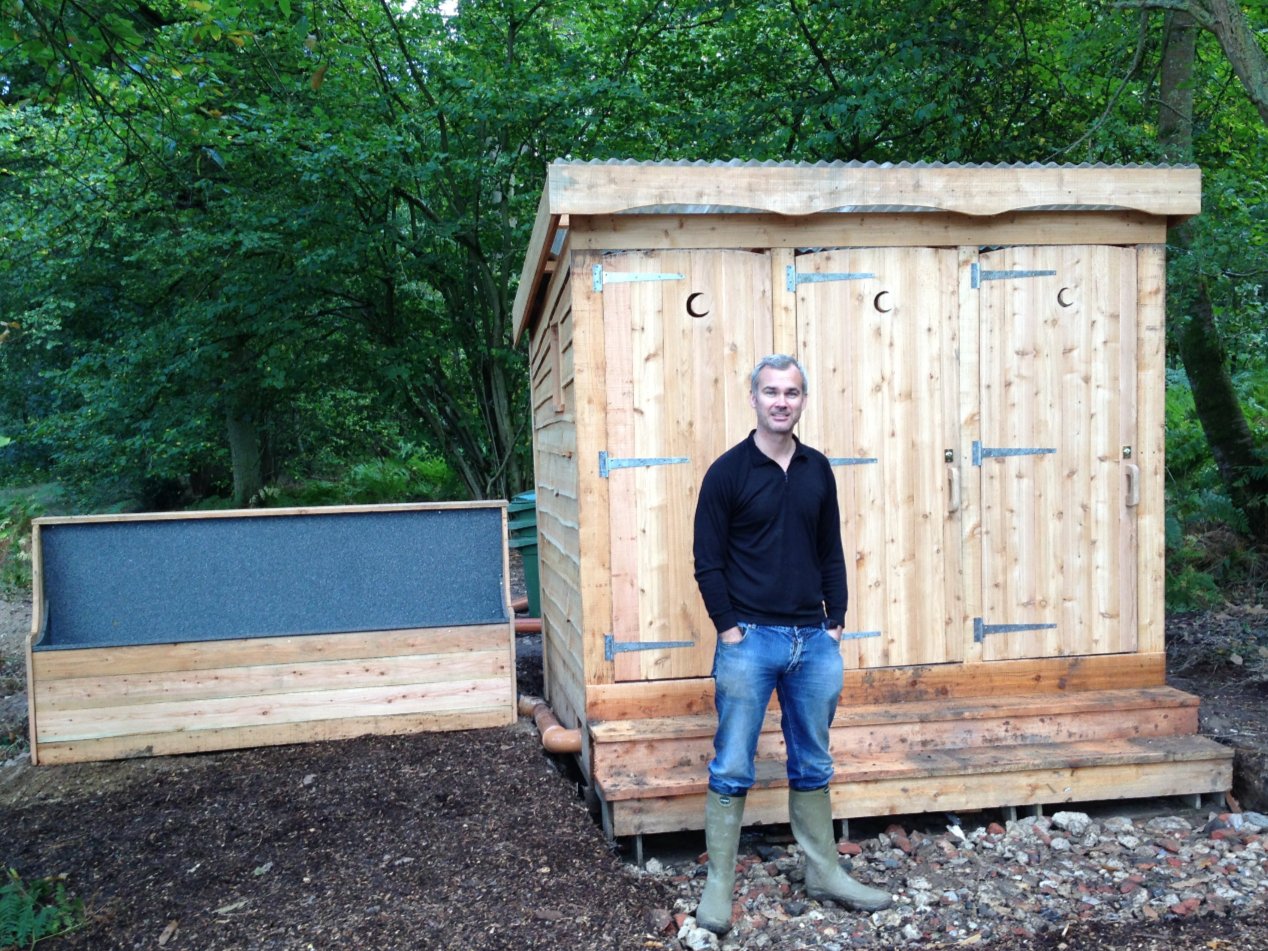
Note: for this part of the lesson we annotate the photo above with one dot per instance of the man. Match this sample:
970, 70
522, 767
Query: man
771, 571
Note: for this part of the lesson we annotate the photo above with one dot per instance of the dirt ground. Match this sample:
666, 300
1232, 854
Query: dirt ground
472, 840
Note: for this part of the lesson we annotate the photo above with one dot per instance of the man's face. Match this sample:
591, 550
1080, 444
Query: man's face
779, 400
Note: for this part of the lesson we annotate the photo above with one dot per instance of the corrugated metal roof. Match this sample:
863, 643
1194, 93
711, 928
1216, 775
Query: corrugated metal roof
751, 163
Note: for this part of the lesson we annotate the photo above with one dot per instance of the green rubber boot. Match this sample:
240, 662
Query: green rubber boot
811, 816
723, 816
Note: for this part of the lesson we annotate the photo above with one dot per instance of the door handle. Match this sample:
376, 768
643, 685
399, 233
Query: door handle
953, 488
1133, 484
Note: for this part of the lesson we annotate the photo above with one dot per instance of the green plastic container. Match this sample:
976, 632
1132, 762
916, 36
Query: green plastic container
521, 522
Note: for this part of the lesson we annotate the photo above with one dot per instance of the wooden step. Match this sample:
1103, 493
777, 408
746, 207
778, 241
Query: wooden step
954, 779
635, 759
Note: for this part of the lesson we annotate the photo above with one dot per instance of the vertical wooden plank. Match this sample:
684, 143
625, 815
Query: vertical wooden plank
866, 365
708, 361
1095, 575
512, 713
1126, 560
846, 368
912, 460
992, 409
784, 330
1070, 344
37, 624
683, 394
876, 345
950, 524
594, 540
1053, 380
625, 319
969, 399
664, 396
1149, 448
827, 421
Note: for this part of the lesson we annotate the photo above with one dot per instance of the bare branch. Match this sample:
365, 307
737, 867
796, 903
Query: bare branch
1139, 57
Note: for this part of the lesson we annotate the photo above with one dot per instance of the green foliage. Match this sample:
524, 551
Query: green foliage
15, 542
1206, 551
31, 911
410, 475
255, 244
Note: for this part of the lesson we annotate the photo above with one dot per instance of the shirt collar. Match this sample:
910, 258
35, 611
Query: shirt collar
757, 457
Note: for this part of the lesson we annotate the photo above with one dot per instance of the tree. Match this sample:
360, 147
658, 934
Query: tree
1242, 466
1226, 20
239, 222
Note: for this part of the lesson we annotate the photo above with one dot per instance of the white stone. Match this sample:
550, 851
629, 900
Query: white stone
696, 938
1075, 823
921, 899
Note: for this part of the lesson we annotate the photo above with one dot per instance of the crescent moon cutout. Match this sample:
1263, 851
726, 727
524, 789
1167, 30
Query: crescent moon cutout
691, 300
1063, 297
876, 302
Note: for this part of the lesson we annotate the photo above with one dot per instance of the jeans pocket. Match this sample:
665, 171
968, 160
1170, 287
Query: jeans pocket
744, 629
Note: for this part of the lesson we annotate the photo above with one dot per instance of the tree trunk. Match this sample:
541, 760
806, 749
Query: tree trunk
1194, 328
244, 455
1231, 441
1228, 22
1175, 111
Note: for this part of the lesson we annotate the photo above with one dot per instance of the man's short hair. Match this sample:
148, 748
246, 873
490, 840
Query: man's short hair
778, 361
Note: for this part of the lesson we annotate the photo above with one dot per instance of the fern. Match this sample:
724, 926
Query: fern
31, 912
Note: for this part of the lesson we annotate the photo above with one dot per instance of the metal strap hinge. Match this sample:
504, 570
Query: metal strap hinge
981, 452
851, 460
612, 647
607, 463
602, 277
981, 629
979, 275
858, 635
793, 277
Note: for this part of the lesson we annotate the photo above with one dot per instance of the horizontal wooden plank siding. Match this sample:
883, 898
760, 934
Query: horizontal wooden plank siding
264, 651
974, 786
669, 755
554, 400
107, 703
634, 232
900, 684
581, 188
271, 734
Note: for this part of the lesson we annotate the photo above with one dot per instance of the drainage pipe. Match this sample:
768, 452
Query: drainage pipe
528, 625
555, 737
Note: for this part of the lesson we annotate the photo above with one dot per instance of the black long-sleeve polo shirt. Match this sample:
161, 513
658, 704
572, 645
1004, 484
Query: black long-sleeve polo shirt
768, 542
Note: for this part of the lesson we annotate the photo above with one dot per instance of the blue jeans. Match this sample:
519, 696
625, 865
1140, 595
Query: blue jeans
802, 666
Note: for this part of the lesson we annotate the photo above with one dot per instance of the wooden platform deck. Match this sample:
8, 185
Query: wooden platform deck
922, 756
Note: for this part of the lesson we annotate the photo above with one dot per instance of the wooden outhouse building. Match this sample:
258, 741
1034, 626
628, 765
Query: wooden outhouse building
985, 353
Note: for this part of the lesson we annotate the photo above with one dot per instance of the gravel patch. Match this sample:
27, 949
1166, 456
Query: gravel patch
999, 884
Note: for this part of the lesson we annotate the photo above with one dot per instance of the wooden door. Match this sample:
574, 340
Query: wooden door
877, 332
682, 332
1058, 375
